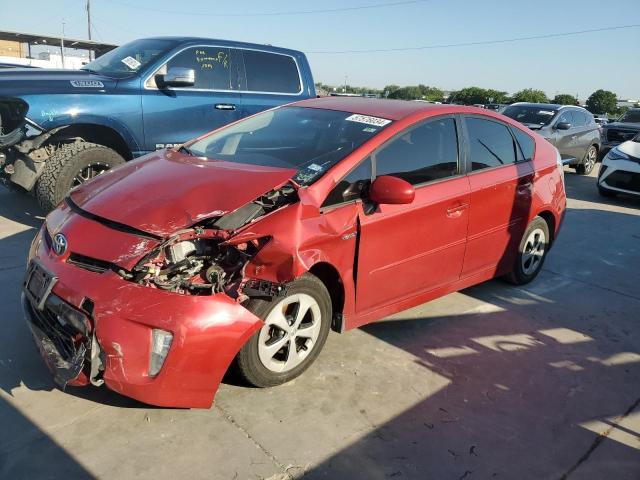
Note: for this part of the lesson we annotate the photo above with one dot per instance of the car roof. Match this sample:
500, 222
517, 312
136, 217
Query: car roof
384, 108
190, 41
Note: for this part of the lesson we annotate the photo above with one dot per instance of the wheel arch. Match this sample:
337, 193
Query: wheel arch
332, 280
94, 133
548, 217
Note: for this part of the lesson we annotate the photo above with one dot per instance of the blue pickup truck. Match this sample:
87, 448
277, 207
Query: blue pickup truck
59, 128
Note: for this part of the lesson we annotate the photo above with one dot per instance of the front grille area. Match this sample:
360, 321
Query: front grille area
619, 135
624, 180
64, 337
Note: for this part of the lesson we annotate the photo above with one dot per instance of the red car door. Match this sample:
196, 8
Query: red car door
406, 249
501, 189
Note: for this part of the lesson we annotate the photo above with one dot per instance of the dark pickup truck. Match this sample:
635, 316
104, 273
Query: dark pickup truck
59, 128
623, 129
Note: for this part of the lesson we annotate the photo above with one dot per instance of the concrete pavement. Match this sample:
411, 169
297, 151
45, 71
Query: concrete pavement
540, 382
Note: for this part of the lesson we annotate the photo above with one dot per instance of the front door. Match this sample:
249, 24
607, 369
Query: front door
501, 188
175, 115
407, 249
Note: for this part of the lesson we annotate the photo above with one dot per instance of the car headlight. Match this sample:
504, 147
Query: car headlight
160, 345
616, 154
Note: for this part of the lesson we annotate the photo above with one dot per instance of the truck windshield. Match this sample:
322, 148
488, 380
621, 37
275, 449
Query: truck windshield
309, 140
631, 116
129, 58
530, 115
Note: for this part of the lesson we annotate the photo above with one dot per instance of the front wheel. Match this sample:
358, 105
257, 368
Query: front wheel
295, 329
588, 162
71, 165
532, 252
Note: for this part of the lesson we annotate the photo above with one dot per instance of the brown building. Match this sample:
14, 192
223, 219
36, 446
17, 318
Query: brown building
10, 48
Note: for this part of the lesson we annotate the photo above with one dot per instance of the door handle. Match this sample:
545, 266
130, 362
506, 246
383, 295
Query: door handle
225, 106
456, 211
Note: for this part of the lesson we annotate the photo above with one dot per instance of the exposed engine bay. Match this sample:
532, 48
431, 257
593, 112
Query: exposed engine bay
203, 260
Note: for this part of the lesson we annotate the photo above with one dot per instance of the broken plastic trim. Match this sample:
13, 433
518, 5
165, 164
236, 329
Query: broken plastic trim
264, 289
13, 112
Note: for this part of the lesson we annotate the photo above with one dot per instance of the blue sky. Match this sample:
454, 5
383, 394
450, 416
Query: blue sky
575, 64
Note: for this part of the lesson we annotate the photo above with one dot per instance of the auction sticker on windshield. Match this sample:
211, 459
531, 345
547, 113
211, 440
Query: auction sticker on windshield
378, 122
131, 62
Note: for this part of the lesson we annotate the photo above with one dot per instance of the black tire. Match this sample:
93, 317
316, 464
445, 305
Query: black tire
604, 192
518, 276
248, 364
68, 162
588, 162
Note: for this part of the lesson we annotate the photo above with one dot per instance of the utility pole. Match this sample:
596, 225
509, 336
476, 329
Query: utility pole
345, 83
89, 26
62, 44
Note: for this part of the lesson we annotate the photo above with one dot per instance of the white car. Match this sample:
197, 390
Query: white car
620, 169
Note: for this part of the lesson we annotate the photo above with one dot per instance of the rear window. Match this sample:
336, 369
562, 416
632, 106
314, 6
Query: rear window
490, 144
270, 72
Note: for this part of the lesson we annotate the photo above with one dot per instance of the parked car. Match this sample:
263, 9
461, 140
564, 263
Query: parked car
59, 128
623, 129
620, 169
572, 130
248, 244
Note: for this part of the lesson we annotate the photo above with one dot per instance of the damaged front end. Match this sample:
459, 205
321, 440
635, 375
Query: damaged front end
205, 259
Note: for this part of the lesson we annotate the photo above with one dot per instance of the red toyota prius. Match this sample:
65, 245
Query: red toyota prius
243, 248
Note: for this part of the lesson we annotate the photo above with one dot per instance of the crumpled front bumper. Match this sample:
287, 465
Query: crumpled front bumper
207, 333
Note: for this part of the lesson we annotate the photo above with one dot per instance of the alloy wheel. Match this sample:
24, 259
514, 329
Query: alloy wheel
90, 171
590, 159
533, 252
290, 333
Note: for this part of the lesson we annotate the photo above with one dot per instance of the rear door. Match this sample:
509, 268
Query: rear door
407, 249
501, 184
269, 79
585, 133
175, 115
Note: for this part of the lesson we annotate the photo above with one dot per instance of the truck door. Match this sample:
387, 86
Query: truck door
173, 115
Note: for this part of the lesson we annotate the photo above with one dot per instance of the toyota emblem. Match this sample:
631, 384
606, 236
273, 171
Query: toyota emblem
60, 243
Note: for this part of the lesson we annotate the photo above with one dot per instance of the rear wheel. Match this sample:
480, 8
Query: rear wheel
295, 330
588, 162
532, 252
71, 165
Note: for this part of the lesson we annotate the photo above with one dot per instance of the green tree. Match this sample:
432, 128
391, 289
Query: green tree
497, 96
470, 96
602, 101
565, 99
530, 95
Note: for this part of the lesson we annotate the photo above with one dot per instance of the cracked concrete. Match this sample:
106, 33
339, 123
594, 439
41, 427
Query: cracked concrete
540, 382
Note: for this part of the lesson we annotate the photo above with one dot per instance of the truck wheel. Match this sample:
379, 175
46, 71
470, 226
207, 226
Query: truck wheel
295, 330
70, 165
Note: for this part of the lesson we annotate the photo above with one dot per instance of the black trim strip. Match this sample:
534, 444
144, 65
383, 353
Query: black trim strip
121, 227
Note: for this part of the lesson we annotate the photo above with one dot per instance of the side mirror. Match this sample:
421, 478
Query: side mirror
391, 190
177, 77
563, 126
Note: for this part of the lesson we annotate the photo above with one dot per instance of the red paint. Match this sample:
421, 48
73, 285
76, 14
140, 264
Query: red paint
422, 242
388, 190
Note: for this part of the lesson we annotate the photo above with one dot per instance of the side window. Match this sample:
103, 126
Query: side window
566, 117
490, 144
270, 72
526, 143
351, 186
427, 152
212, 66
579, 119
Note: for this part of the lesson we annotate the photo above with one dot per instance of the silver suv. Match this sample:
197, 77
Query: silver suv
572, 130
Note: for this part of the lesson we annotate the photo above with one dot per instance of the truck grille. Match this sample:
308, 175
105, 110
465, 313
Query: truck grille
618, 135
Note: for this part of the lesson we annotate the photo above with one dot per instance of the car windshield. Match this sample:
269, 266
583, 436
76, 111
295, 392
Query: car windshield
309, 140
531, 115
631, 116
129, 58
